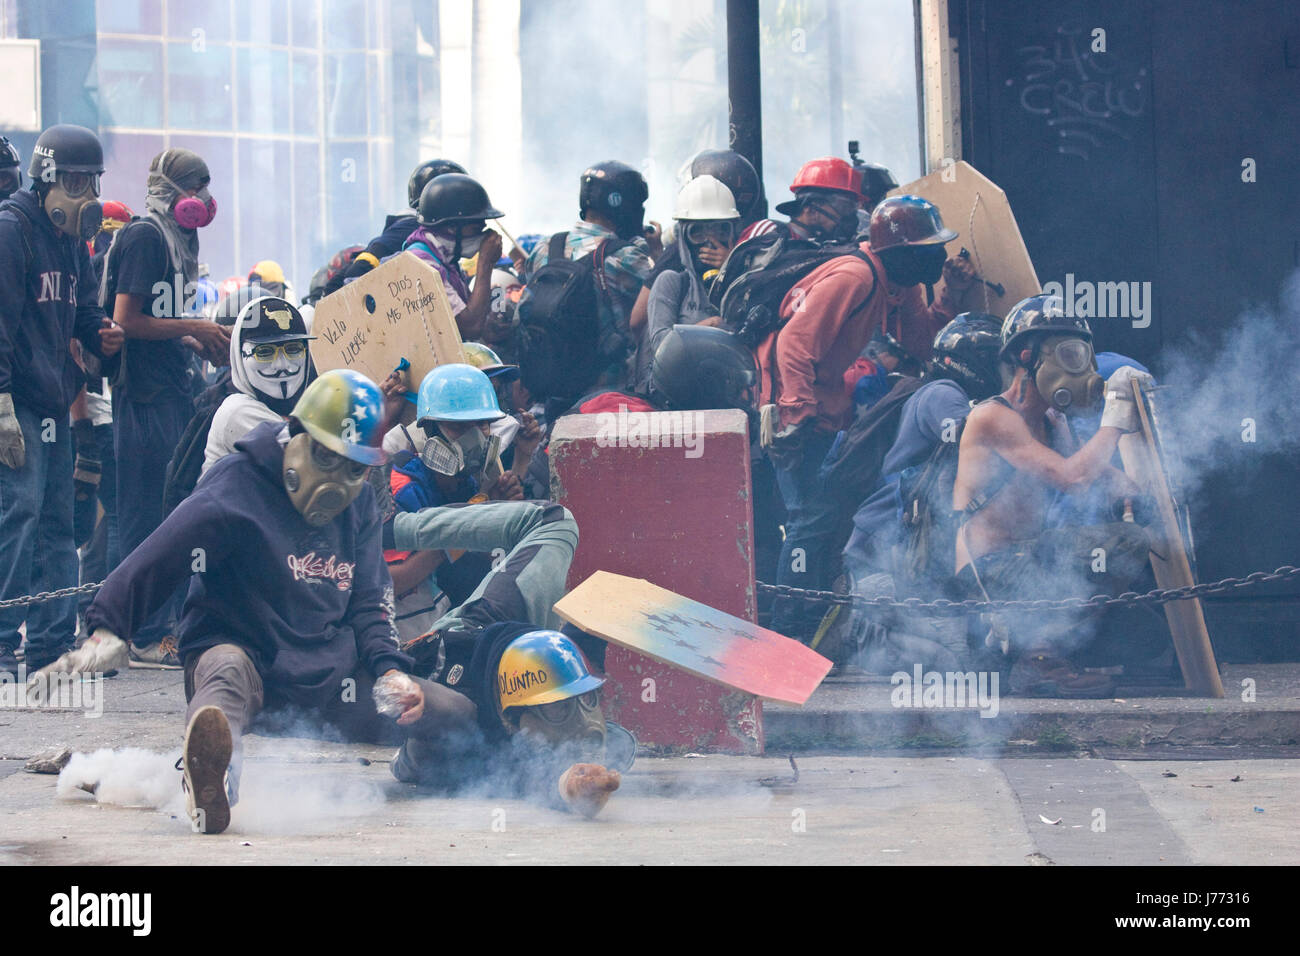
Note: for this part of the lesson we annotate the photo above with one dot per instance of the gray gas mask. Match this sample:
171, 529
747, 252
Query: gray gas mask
72, 203
1066, 375
471, 453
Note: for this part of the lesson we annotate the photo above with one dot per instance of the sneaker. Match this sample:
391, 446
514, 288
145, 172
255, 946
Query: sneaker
204, 762
1039, 674
161, 656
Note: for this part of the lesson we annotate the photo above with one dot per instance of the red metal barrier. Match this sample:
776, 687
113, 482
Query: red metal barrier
666, 496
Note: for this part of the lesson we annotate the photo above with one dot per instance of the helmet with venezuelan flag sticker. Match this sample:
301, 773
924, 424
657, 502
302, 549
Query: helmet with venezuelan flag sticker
343, 410
543, 667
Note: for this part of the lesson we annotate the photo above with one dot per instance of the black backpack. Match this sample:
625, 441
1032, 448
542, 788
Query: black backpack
187, 460
761, 271
923, 560
567, 330
852, 470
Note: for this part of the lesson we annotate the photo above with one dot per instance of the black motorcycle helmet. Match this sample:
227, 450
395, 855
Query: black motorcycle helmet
453, 198
66, 149
876, 181
699, 367
616, 192
426, 171
11, 176
1031, 320
737, 174
966, 351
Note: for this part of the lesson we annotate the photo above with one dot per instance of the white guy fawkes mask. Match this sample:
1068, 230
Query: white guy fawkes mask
278, 376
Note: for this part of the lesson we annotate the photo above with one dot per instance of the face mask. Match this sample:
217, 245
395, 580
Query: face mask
467, 454
193, 212
470, 246
277, 370
73, 206
1067, 375
575, 725
320, 483
913, 265
9, 183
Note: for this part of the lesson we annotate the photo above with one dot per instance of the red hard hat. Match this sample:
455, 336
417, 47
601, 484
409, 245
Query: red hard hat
119, 211
829, 172
907, 221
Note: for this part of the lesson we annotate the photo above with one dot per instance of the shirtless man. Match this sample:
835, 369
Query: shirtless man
1008, 475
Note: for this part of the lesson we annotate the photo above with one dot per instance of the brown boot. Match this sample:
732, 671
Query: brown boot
1039, 674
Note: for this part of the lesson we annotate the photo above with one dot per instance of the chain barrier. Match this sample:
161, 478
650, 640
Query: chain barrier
943, 606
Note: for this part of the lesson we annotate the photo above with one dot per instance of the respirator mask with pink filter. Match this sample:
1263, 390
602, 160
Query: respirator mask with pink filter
194, 212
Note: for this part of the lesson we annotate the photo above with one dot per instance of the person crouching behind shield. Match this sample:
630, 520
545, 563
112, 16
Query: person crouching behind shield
541, 731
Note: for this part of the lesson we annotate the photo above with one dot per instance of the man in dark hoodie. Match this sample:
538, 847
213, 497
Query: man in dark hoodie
289, 607
47, 298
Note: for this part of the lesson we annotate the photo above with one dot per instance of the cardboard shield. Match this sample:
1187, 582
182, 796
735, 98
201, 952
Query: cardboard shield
975, 208
396, 311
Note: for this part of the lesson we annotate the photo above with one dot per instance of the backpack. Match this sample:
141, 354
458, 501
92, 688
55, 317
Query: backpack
568, 333
924, 557
187, 460
852, 466
761, 271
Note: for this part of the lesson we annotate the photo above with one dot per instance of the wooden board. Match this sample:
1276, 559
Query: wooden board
1140, 452
396, 311
663, 625
991, 236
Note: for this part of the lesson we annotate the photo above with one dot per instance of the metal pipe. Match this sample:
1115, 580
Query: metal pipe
744, 91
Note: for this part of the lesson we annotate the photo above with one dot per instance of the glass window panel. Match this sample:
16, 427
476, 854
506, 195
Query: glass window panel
198, 87
265, 223
129, 16
345, 24
126, 166
262, 21
306, 94
305, 23
347, 190
212, 17
345, 94
311, 249
262, 76
130, 87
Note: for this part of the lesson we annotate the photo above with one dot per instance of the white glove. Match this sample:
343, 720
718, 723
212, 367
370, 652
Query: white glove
1121, 410
12, 450
102, 653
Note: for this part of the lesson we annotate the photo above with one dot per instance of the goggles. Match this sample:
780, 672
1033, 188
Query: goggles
327, 460
559, 712
265, 352
78, 184
701, 231
1073, 355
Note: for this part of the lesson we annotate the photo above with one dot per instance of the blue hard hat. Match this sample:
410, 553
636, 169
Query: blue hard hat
457, 393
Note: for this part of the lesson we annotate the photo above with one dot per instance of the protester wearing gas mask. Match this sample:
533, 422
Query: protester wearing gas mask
1008, 473
827, 197
150, 282
708, 223
454, 210
290, 611
47, 299
453, 457
827, 319
541, 734
269, 366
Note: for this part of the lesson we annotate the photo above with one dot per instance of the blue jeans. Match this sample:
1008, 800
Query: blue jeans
37, 552
145, 437
810, 528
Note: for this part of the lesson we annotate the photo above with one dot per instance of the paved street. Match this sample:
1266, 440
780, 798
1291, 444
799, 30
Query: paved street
305, 801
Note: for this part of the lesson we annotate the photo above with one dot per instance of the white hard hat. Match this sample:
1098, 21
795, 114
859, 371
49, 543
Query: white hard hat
705, 197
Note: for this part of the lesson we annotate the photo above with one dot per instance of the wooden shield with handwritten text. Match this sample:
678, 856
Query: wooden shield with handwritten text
396, 311
977, 210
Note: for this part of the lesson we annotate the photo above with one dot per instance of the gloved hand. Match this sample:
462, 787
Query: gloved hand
12, 450
103, 653
958, 273
1121, 410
